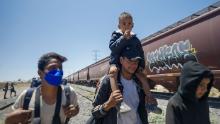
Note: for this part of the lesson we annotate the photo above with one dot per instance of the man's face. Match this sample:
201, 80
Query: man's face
52, 64
202, 87
129, 66
125, 24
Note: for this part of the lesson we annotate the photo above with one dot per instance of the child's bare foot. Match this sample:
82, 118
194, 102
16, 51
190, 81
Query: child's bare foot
113, 69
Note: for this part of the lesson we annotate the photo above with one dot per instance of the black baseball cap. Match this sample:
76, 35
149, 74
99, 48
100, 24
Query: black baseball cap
131, 53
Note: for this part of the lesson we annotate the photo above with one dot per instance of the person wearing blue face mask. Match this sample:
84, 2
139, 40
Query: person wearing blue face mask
47, 103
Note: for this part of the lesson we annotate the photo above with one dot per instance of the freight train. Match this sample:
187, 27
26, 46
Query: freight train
196, 37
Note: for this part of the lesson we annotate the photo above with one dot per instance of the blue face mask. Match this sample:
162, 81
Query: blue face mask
54, 77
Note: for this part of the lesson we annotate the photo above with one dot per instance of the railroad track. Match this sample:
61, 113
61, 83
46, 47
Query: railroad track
213, 102
85, 96
83, 92
88, 94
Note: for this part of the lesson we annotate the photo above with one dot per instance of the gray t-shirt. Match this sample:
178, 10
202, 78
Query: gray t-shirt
46, 111
131, 98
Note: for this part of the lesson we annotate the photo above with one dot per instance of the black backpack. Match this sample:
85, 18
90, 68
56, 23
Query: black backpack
56, 117
35, 83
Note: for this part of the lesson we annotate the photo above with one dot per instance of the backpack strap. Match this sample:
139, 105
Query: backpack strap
56, 117
27, 98
67, 94
37, 107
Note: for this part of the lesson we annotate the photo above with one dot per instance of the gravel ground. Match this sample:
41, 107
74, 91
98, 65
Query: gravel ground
84, 100
85, 96
160, 119
19, 88
153, 118
85, 111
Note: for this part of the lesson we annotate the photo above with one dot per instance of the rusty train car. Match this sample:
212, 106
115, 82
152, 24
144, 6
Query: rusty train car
196, 37
91, 74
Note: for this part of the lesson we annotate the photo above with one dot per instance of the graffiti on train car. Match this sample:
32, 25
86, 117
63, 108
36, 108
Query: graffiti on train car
168, 57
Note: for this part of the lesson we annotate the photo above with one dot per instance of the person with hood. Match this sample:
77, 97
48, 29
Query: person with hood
190, 104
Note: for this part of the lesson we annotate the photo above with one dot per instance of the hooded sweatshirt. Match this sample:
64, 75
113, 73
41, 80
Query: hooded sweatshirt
118, 43
184, 107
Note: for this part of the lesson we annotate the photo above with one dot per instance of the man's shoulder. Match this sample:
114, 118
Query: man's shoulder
105, 80
136, 80
67, 89
104, 84
175, 100
20, 100
24, 92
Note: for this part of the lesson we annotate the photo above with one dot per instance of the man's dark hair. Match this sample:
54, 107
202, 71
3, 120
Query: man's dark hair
45, 59
124, 15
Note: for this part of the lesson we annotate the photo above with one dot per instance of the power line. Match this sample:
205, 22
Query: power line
95, 55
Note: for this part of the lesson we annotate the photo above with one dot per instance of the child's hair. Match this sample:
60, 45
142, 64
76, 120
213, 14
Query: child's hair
125, 15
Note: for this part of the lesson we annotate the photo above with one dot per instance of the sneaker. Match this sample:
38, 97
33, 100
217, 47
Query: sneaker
153, 108
124, 107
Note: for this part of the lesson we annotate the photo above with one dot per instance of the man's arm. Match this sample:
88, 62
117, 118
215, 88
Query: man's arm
72, 109
19, 116
103, 102
100, 111
172, 114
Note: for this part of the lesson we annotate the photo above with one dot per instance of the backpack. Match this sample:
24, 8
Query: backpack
56, 117
35, 83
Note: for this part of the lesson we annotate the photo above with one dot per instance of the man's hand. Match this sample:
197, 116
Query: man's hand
19, 116
113, 100
70, 110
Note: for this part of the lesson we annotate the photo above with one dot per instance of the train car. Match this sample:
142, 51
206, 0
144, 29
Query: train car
98, 69
75, 77
71, 78
193, 38
84, 76
68, 78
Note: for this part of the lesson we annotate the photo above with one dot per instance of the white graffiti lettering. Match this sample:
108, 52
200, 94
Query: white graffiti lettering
168, 57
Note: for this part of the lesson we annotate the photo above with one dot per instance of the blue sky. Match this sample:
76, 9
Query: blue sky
75, 28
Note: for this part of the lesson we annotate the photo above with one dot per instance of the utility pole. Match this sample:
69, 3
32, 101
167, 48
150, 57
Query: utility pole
95, 55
